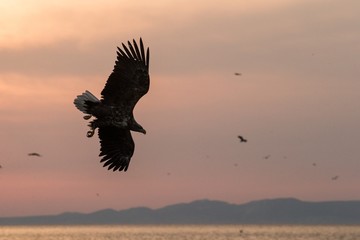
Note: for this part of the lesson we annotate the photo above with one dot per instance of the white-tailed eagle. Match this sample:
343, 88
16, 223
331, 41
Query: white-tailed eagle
113, 113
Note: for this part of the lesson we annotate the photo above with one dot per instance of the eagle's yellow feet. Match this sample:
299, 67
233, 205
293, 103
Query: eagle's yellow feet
87, 117
90, 133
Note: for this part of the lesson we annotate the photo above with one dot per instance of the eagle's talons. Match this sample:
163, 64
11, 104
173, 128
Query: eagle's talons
87, 117
90, 133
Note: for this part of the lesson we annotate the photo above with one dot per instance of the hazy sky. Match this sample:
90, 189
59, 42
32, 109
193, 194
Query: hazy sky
297, 102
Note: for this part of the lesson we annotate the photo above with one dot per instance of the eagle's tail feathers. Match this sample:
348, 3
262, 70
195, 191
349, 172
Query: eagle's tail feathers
80, 101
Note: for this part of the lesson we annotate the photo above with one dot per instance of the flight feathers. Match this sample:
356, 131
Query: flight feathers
80, 101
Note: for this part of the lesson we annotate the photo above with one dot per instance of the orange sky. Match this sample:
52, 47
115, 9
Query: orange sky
297, 100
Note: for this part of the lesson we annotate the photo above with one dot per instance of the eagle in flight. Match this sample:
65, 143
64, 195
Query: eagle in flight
113, 113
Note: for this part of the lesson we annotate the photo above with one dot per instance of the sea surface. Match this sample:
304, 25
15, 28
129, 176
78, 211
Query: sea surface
179, 232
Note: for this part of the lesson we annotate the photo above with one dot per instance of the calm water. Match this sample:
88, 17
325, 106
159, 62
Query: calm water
180, 232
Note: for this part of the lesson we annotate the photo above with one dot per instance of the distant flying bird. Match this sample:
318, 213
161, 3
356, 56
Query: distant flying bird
335, 177
34, 154
113, 113
237, 74
267, 156
242, 139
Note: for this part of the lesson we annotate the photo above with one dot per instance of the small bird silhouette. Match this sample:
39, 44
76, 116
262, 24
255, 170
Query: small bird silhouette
34, 154
335, 177
242, 139
237, 74
267, 156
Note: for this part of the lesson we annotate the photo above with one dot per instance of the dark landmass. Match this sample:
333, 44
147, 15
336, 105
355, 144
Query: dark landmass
271, 211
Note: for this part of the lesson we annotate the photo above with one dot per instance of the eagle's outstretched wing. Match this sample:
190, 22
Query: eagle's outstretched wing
117, 147
129, 80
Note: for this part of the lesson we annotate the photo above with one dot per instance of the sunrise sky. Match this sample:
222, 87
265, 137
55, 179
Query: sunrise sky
297, 101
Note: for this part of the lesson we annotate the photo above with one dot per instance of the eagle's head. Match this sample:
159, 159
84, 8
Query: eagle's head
140, 129
134, 126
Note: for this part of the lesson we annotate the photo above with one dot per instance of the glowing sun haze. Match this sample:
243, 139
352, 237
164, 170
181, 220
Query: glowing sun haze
296, 101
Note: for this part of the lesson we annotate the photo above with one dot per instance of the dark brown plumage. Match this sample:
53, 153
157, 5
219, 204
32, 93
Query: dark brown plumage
34, 154
242, 139
114, 117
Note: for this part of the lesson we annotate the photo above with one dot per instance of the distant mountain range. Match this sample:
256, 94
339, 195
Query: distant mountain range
270, 211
